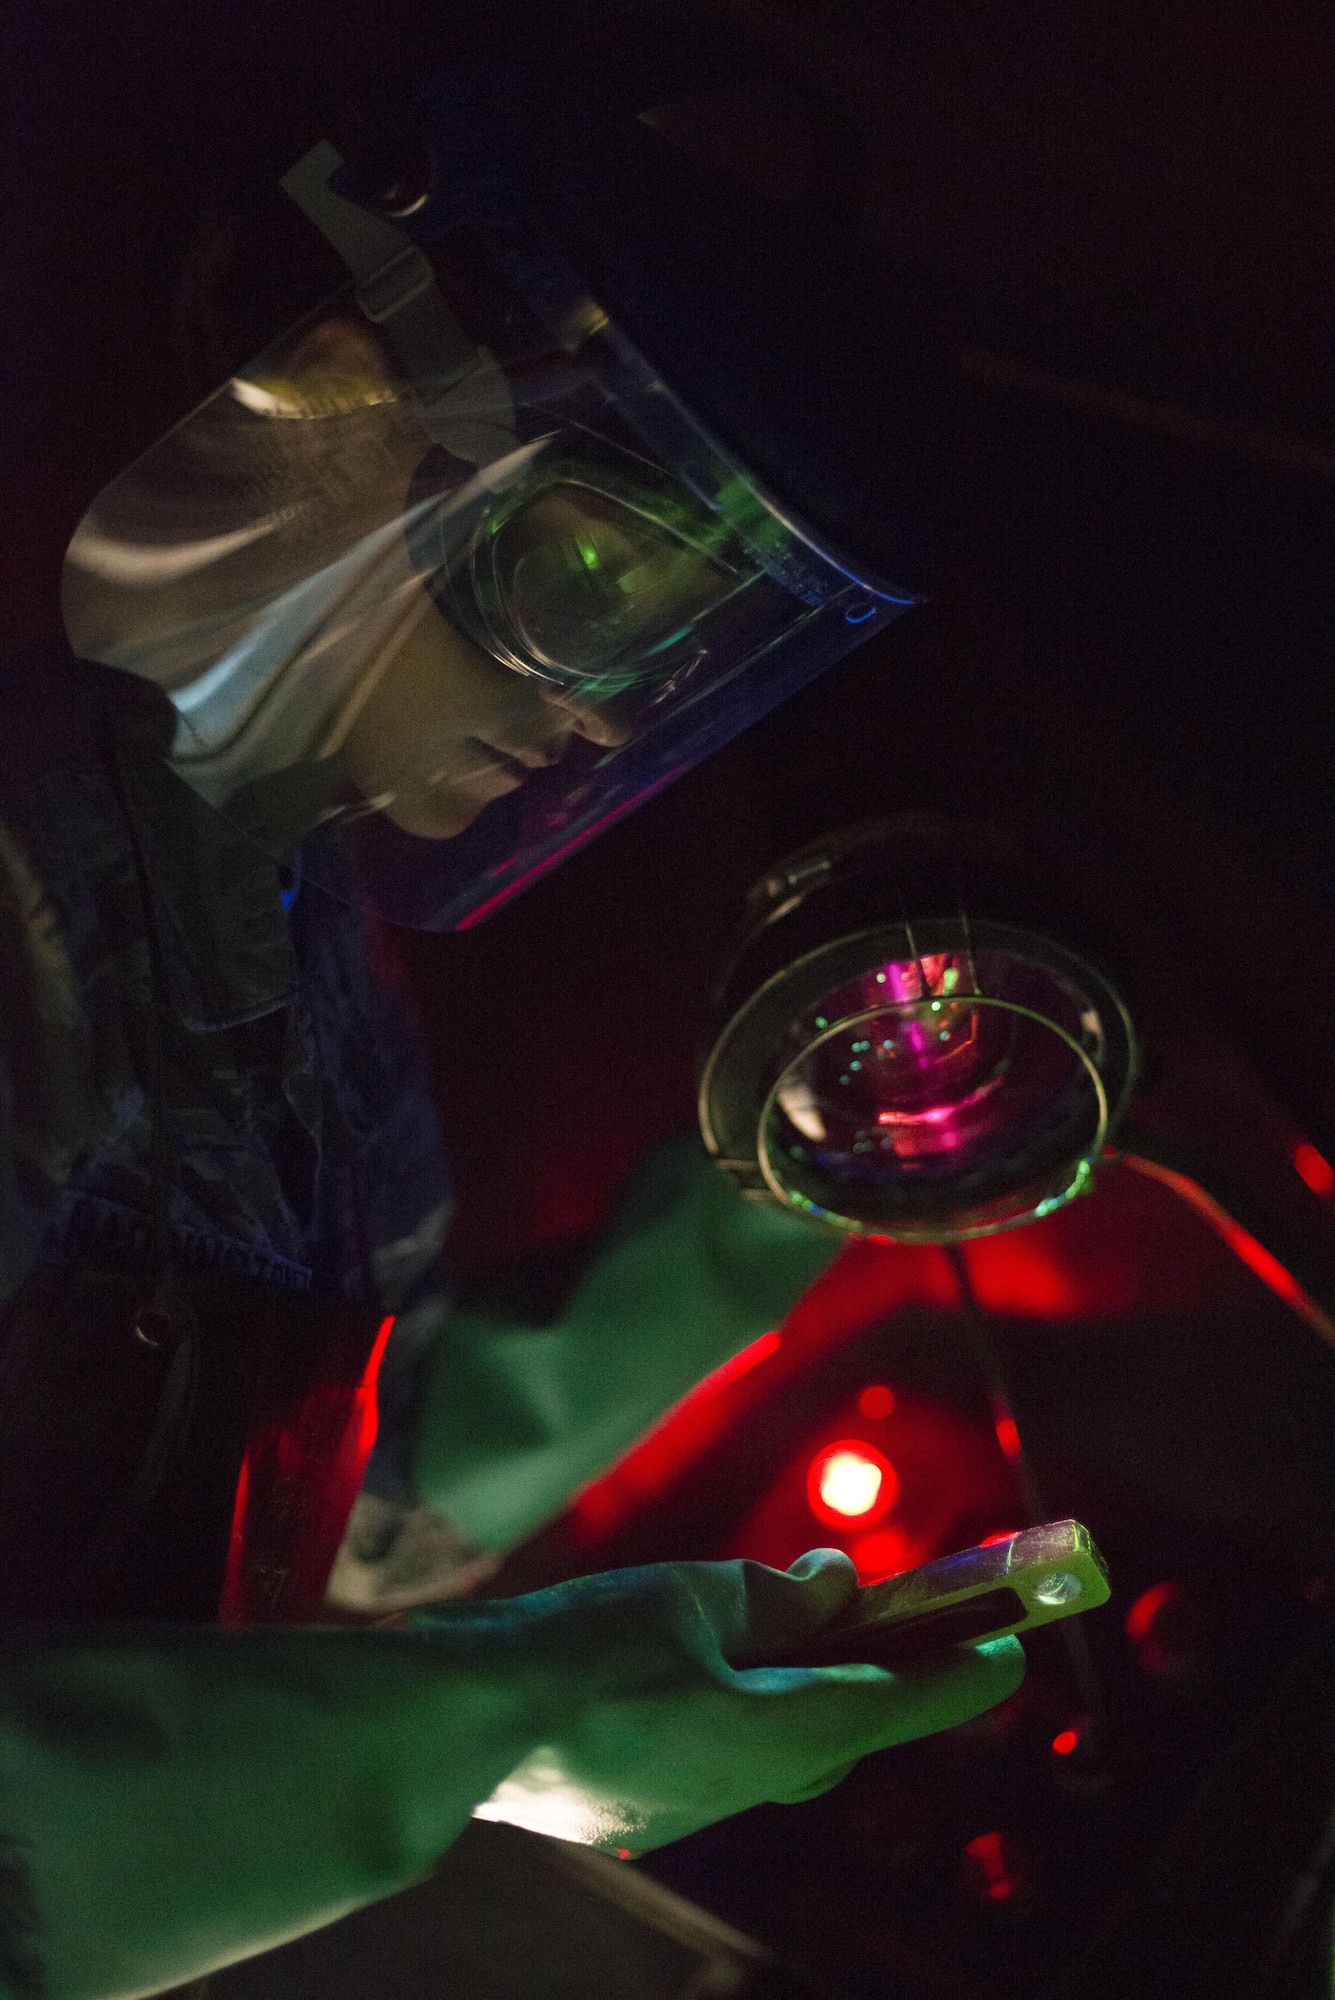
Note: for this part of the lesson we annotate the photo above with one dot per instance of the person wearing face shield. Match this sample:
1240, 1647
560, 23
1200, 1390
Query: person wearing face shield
438, 585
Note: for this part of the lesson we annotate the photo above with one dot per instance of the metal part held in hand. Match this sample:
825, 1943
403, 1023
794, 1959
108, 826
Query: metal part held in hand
1030, 1579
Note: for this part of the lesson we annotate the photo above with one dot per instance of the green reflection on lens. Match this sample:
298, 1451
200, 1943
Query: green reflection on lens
587, 581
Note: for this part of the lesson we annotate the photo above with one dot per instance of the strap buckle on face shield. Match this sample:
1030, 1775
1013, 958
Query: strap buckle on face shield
395, 285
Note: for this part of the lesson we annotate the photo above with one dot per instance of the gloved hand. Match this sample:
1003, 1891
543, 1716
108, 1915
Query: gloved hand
667, 1733
516, 1417
173, 1798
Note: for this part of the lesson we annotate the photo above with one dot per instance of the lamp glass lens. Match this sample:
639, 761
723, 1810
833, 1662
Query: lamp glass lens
906, 1089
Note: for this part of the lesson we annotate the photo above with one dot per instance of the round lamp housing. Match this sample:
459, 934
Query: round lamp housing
920, 1081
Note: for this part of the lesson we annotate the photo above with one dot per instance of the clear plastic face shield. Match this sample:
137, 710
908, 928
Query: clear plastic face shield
438, 592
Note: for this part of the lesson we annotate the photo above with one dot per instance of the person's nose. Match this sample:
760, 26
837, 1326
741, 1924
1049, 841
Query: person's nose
584, 718
535, 731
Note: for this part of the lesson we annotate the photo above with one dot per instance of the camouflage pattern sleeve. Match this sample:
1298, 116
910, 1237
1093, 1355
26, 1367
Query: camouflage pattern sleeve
45, 1093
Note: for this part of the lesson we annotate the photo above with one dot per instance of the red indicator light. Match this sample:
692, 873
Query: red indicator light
1008, 1436
876, 1401
1314, 1169
1065, 1743
997, 1869
850, 1481
1147, 1607
1172, 1630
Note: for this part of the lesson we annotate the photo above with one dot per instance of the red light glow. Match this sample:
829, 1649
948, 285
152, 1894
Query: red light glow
658, 1458
888, 1552
741, 1364
1008, 1436
876, 1402
550, 861
996, 1868
1170, 1627
1314, 1169
1147, 1607
1064, 1743
279, 1559
1030, 1271
935, 1114
990, 1541
1244, 1246
850, 1481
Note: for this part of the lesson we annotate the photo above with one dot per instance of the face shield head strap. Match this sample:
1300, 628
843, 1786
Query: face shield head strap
397, 291
396, 286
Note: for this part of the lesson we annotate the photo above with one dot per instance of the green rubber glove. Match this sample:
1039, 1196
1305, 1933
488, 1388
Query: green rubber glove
173, 1799
517, 1418
668, 1736
181, 1798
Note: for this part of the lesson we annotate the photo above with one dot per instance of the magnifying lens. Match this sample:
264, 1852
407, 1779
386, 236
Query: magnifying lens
925, 1078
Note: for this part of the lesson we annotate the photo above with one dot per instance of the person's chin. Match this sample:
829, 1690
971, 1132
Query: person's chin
447, 811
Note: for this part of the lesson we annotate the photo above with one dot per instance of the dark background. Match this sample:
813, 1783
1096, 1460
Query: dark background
1121, 219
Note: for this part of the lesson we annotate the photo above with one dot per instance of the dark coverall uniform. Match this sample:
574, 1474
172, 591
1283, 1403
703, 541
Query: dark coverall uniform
243, 1102
218, 1174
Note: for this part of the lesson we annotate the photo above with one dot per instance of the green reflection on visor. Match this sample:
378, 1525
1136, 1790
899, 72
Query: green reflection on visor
577, 581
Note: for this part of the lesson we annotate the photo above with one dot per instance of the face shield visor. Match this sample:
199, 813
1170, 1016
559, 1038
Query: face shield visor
447, 579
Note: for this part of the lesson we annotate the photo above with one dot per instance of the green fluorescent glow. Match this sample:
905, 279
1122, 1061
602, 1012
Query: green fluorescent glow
588, 551
1083, 1179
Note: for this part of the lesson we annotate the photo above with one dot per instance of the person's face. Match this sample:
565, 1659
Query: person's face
447, 729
